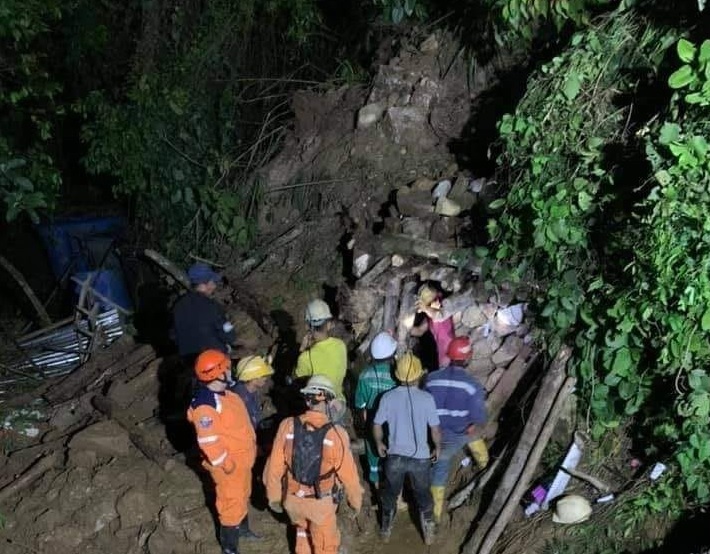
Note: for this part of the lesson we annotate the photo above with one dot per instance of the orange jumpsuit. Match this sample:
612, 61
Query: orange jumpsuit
228, 443
315, 519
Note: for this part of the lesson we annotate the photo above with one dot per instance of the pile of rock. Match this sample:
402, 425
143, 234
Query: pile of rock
419, 243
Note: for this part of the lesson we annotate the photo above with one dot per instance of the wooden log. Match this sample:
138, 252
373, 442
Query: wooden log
375, 328
42, 315
528, 471
32, 474
407, 312
374, 272
446, 254
391, 307
551, 384
168, 267
251, 264
508, 382
111, 360
140, 440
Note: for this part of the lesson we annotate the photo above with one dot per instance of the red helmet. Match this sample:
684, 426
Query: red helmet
211, 365
459, 349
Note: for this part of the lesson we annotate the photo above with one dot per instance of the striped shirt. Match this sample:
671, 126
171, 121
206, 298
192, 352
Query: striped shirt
460, 399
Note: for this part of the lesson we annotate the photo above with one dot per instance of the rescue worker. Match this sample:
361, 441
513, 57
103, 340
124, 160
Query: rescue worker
435, 320
461, 405
253, 373
310, 460
409, 413
227, 441
199, 321
322, 354
373, 381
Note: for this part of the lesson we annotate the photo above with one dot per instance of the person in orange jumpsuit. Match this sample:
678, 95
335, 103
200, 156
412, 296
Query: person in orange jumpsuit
312, 506
227, 441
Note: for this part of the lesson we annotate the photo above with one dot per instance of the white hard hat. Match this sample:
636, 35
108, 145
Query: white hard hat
383, 346
317, 312
319, 384
572, 509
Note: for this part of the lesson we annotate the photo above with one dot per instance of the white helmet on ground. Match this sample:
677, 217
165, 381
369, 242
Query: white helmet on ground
317, 312
572, 508
383, 346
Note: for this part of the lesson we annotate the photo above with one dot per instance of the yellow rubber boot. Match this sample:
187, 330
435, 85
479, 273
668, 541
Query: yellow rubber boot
437, 494
479, 450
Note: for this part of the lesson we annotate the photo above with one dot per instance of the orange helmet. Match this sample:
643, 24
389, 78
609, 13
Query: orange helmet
211, 365
459, 349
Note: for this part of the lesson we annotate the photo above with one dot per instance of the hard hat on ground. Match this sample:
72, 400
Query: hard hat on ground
459, 349
253, 367
383, 346
572, 509
317, 312
201, 273
427, 294
409, 368
211, 365
319, 385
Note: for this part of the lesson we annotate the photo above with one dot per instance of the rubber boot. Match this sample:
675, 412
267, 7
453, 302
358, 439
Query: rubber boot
386, 527
229, 539
437, 495
479, 450
428, 529
245, 532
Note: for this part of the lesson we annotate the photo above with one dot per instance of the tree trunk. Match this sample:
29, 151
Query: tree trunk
544, 400
42, 315
392, 293
529, 469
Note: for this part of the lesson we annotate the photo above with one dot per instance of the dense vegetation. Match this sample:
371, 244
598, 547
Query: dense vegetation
604, 164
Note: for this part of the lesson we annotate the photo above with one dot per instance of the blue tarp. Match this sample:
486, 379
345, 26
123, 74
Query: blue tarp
84, 246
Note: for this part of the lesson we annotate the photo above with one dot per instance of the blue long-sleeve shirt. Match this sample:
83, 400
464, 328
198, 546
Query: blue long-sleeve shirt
199, 325
460, 399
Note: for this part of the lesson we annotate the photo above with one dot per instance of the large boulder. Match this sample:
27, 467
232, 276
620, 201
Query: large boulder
105, 438
136, 507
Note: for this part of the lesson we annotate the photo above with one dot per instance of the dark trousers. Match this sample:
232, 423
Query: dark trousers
396, 469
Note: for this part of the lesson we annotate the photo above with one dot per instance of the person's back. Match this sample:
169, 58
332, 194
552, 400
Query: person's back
198, 322
375, 380
459, 398
408, 412
327, 357
310, 505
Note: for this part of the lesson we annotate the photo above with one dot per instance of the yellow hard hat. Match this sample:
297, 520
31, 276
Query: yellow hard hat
427, 294
409, 368
253, 367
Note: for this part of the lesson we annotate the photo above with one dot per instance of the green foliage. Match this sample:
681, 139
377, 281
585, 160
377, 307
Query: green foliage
397, 10
29, 106
176, 145
623, 271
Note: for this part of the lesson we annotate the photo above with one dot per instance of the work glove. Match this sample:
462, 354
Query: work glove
276, 507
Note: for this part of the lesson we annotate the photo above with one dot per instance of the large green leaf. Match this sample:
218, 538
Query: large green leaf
686, 50
682, 77
572, 86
